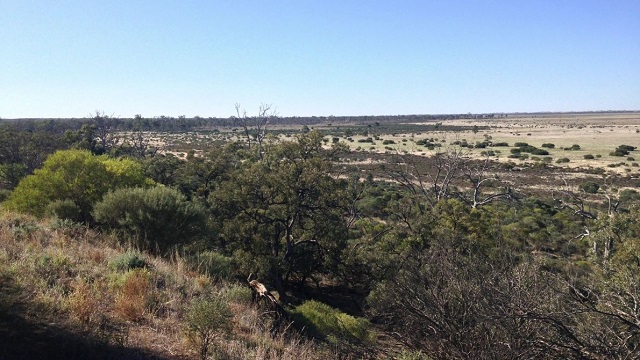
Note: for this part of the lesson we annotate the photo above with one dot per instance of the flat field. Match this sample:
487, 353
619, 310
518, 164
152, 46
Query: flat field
597, 134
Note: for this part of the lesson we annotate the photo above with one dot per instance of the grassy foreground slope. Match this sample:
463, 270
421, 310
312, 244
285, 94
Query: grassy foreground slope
67, 292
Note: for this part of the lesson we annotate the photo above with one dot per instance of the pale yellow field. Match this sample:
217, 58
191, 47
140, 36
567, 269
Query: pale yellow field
597, 134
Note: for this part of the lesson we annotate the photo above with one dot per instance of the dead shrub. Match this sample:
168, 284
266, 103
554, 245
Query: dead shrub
131, 301
83, 302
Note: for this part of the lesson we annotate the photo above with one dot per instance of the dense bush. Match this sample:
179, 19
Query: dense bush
215, 265
548, 145
539, 152
74, 176
64, 210
332, 325
158, 216
622, 150
589, 187
589, 157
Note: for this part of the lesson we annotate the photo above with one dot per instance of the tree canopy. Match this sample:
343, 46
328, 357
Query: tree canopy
74, 175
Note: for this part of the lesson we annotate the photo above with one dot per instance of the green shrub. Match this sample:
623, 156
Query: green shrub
622, 150
589, 157
158, 217
215, 265
548, 145
589, 187
238, 294
128, 261
539, 152
528, 148
520, 144
207, 319
329, 324
501, 144
76, 176
627, 147
51, 268
65, 210
412, 355
563, 160
4, 194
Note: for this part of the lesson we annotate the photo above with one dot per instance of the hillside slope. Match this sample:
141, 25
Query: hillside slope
67, 292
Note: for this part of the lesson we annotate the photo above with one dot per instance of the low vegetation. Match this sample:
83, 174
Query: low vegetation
430, 248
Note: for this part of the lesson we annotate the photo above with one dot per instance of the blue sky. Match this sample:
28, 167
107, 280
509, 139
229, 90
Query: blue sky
71, 58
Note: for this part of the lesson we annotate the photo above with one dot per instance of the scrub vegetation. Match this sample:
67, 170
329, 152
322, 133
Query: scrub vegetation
457, 237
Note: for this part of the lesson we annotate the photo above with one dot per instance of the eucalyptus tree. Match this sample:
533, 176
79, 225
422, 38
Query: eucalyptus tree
285, 214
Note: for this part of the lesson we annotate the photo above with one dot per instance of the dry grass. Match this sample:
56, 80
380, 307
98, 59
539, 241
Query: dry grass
59, 278
131, 301
597, 134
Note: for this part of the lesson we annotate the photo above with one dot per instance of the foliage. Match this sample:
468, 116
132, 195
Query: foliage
329, 324
24, 150
284, 213
238, 294
215, 264
64, 210
76, 176
79, 310
163, 169
128, 261
622, 150
156, 217
207, 319
590, 187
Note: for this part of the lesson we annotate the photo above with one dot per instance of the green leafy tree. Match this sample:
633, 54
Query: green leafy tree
23, 151
284, 214
74, 175
199, 176
163, 169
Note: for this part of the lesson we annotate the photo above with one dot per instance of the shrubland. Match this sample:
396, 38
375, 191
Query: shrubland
431, 257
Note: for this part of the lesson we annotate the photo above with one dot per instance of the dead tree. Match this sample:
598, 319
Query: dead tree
479, 178
261, 294
567, 199
104, 129
255, 127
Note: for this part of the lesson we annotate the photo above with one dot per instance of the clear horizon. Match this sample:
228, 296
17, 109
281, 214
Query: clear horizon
69, 59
